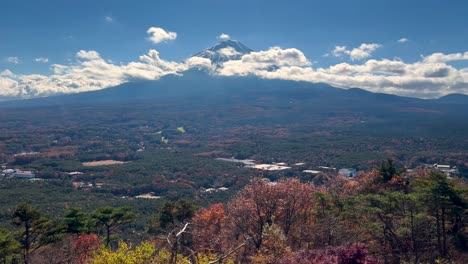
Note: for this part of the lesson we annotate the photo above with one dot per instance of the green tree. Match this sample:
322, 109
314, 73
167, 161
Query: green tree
174, 219
76, 221
445, 203
387, 170
9, 246
174, 213
111, 219
34, 226
398, 224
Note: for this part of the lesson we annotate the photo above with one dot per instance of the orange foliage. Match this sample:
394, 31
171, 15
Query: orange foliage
210, 227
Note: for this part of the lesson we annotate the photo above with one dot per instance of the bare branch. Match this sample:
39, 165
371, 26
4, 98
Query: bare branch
230, 252
183, 230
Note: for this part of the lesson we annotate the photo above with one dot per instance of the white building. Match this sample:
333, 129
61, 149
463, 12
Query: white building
19, 174
348, 172
448, 170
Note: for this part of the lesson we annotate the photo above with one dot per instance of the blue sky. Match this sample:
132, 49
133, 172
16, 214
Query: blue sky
57, 29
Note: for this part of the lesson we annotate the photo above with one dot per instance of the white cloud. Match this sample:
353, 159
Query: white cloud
224, 36
403, 40
109, 19
14, 60
429, 77
362, 52
91, 72
229, 52
41, 59
88, 55
339, 51
264, 60
440, 57
199, 62
158, 35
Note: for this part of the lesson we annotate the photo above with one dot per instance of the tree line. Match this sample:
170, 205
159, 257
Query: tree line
384, 216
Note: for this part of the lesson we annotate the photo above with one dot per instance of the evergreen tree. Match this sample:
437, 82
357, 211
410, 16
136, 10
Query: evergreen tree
110, 219
34, 226
76, 221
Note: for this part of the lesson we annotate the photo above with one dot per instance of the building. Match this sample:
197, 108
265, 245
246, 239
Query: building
448, 170
312, 171
348, 172
8, 172
19, 174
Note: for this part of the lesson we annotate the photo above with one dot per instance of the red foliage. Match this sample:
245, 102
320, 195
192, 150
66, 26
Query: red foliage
288, 203
85, 246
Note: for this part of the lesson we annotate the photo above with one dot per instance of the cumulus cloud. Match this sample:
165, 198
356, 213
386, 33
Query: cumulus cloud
41, 59
428, 78
264, 60
403, 40
91, 72
431, 76
224, 37
158, 35
364, 51
229, 52
199, 62
108, 19
88, 55
440, 57
14, 60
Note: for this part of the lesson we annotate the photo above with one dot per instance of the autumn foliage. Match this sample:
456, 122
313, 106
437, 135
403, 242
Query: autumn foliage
379, 217
85, 246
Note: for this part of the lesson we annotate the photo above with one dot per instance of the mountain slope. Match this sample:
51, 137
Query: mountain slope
454, 99
198, 87
224, 51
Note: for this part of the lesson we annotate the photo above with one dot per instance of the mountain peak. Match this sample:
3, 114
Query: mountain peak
224, 51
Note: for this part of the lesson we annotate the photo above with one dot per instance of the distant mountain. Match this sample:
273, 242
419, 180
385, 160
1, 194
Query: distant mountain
199, 87
224, 51
199, 82
454, 99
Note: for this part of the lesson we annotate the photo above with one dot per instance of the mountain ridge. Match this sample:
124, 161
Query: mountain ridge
218, 54
201, 85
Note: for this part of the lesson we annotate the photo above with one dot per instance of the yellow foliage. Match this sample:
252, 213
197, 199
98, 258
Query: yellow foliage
142, 254
145, 253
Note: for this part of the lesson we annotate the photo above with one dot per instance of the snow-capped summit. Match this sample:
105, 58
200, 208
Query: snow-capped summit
224, 51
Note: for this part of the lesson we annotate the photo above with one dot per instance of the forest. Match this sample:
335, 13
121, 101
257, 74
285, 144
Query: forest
380, 217
142, 181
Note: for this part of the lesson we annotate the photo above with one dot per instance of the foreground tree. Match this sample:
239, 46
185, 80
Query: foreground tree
288, 204
448, 207
34, 228
352, 254
110, 220
173, 214
76, 222
143, 253
85, 247
209, 229
9, 247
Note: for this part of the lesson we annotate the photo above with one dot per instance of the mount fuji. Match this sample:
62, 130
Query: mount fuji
224, 51
198, 84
